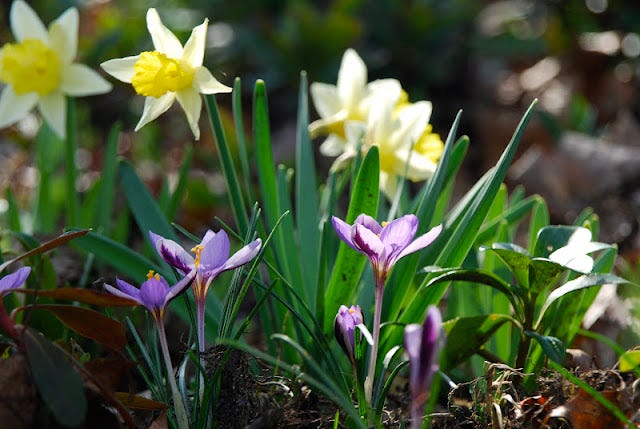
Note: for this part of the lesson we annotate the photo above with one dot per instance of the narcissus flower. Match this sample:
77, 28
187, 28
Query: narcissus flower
349, 100
211, 257
384, 244
402, 133
168, 73
344, 325
422, 343
39, 70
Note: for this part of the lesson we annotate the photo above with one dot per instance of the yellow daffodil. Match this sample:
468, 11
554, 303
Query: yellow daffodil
349, 100
39, 70
168, 73
406, 144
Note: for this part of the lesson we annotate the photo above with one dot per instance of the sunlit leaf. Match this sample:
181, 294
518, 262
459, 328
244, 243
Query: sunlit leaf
467, 335
630, 360
551, 346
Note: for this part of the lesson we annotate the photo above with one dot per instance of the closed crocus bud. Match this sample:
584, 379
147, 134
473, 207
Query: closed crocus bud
422, 343
344, 326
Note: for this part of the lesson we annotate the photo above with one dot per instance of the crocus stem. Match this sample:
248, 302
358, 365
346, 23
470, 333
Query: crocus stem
7, 323
180, 410
377, 313
200, 311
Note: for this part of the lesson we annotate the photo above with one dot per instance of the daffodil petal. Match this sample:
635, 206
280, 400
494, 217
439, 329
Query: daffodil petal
121, 68
420, 167
194, 48
14, 107
79, 80
53, 107
163, 39
413, 120
352, 79
191, 103
332, 146
63, 33
25, 23
388, 184
325, 99
205, 83
154, 107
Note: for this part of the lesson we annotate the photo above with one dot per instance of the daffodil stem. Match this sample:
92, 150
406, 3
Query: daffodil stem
179, 408
71, 145
377, 313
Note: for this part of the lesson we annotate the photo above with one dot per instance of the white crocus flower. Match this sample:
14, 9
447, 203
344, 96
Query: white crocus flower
402, 133
39, 70
168, 73
349, 100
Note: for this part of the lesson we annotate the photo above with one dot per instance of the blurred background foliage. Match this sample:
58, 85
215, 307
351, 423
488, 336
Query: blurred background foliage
490, 58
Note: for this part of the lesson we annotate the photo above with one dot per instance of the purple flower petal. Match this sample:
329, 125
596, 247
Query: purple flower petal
343, 230
243, 255
172, 253
344, 327
368, 242
207, 237
397, 235
153, 293
422, 241
179, 287
369, 222
14, 280
215, 252
117, 292
128, 289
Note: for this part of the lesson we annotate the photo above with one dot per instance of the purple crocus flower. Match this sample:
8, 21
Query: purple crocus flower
211, 257
7, 284
344, 327
422, 343
14, 280
384, 244
154, 293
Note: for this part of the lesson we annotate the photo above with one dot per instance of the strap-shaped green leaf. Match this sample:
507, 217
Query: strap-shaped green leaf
349, 264
59, 384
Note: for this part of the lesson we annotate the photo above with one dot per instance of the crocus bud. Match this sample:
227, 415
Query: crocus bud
344, 327
422, 343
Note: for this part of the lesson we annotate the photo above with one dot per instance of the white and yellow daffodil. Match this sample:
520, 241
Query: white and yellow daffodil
168, 73
39, 70
407, 147
348, 100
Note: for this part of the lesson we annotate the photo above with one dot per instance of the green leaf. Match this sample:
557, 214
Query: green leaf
543, 274
551, 238
181, 185
307, 220
349, 263
585, 281
630, 360
478, 277
59, 384
539, 219
85, 296
467, 335
517, 259
231, 178
551, 346
108, 181
122, 258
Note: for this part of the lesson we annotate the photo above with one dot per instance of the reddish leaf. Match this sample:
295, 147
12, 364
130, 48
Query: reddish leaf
49, 245
585, 412
85, 296
139, 402
89, 323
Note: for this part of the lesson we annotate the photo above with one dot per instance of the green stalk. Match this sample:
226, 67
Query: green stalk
71, 146
179, 408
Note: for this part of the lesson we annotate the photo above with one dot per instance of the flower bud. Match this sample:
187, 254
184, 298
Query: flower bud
344, 327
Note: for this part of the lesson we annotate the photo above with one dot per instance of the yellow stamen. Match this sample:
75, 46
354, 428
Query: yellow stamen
156, 74
30, 66
153, 274
198, 251
352, 311
384, 223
